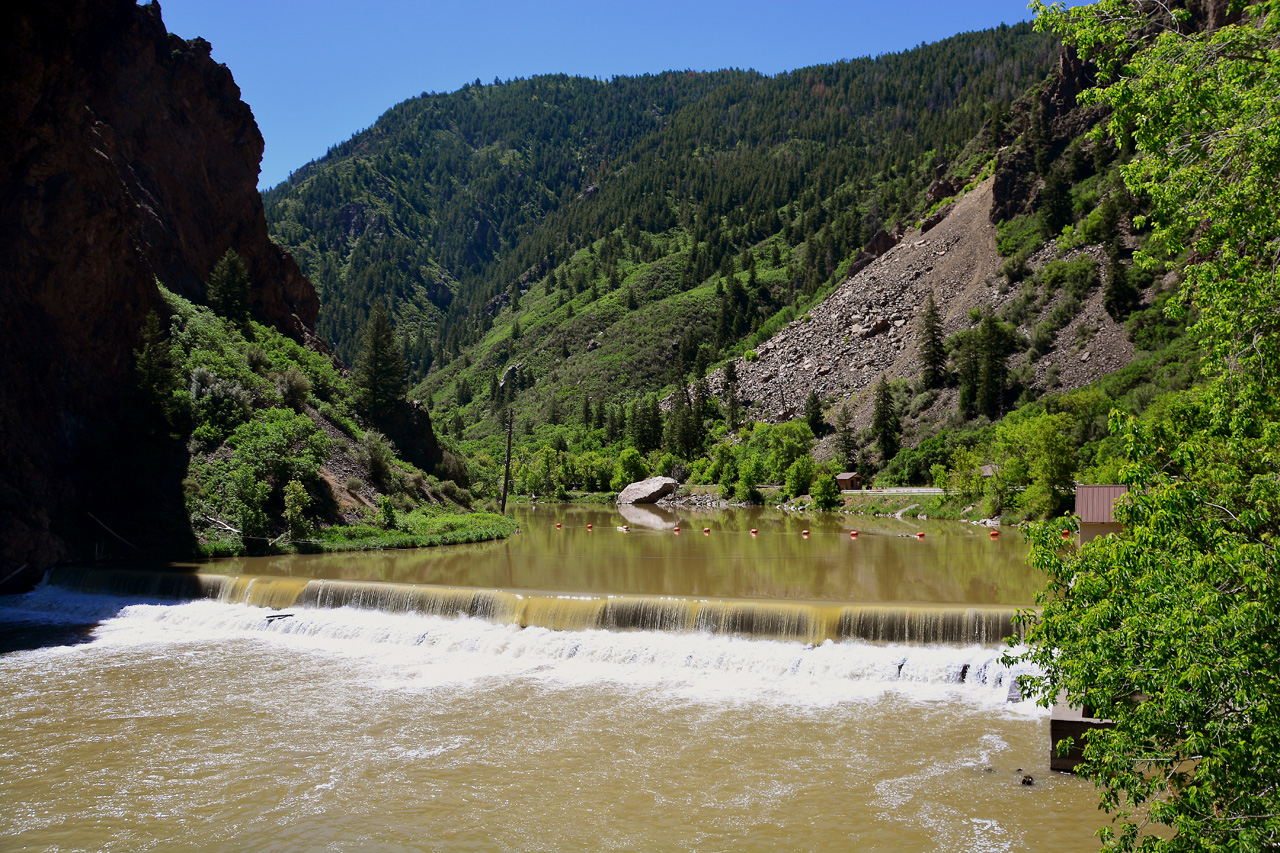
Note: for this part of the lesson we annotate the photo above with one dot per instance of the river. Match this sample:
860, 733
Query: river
373, 717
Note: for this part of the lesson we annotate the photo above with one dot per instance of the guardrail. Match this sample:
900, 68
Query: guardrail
906, 490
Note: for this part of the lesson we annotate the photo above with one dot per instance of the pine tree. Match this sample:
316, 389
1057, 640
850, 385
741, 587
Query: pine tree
157, 375
846, 438
228, 288
884, 421
993, 343
1055, 203
933, 350
732, 405
813, 414
1119, 297
380, 370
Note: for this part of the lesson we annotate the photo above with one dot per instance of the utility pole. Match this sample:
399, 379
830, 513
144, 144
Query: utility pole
506, 471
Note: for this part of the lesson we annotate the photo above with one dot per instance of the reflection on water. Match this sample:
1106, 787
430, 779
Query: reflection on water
954, 563
653, 517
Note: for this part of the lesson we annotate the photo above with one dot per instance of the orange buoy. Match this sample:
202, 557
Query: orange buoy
706, 531
588, 526
677, 528
804, 533
853, 534
995, 534
626, 528
557, 525
754, 531
920, 534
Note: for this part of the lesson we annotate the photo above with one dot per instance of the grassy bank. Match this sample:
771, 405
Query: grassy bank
422, 528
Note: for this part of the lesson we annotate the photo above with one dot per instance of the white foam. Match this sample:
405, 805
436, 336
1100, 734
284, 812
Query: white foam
415, 651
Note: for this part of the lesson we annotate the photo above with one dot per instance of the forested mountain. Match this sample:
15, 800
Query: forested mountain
452, 203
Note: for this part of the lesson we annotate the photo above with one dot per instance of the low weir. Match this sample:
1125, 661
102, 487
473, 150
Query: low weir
805, 622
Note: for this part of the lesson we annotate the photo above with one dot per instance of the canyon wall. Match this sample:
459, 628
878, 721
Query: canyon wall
126, 157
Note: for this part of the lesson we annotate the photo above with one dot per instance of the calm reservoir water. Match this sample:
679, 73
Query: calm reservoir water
644, 690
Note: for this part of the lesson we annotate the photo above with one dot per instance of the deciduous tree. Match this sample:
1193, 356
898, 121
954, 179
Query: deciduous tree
1170, 629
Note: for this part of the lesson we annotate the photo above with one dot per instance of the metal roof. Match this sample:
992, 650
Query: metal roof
1096, 504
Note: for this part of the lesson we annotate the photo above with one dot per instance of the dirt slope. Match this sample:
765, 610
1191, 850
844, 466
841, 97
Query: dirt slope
869, 325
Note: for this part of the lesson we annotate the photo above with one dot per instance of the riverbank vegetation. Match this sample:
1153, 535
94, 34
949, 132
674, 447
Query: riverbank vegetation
283, 451
1169, 629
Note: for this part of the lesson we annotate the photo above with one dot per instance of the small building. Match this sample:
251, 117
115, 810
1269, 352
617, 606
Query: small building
849, 481
1096, 507
1069, 721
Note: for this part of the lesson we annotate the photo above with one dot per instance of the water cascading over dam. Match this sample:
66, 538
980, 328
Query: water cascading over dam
811, 623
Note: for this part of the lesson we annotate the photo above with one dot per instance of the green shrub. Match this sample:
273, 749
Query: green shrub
281, 445
296, 503
294, 386
799, 477
826, 493
375, 453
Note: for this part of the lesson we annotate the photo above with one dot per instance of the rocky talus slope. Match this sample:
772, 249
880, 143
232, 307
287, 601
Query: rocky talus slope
126, 156
869, 326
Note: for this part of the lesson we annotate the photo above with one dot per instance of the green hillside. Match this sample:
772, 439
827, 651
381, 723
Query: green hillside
451, 204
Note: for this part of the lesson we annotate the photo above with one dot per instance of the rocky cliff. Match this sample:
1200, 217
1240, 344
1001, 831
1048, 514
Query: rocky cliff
126, 157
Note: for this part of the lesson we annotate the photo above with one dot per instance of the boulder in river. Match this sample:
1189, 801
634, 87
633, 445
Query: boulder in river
647, 491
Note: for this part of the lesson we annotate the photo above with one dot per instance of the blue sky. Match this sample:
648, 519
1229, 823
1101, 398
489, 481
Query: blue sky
315, 72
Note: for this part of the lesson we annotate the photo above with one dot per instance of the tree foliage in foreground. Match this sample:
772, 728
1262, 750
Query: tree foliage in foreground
1172, 630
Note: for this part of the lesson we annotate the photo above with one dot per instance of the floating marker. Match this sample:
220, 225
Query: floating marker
588, 526
706, 531
853, 534
753, 531
804, 533
920, 534
677, 528
995, 534
557, 525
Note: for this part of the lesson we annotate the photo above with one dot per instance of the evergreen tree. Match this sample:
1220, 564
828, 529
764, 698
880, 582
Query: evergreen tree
846, 438
462, 393
157, 376
993, 342
813, 414
380, 370
885, 422
933, 350
1055, 203
968, 368
646, 425
228, 288
1120, 296
732, 406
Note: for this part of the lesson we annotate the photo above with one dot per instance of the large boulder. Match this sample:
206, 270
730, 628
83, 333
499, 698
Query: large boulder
647, 491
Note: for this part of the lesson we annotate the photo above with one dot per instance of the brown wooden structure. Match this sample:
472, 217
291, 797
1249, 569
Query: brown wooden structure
849, 481
1096, 507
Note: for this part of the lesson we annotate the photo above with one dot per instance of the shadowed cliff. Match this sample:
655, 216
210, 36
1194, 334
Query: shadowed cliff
126, 156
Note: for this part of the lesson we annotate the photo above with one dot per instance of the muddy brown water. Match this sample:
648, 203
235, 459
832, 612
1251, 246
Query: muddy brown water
202, 725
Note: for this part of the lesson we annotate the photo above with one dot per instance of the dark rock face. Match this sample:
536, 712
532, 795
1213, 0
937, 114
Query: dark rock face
126, 156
